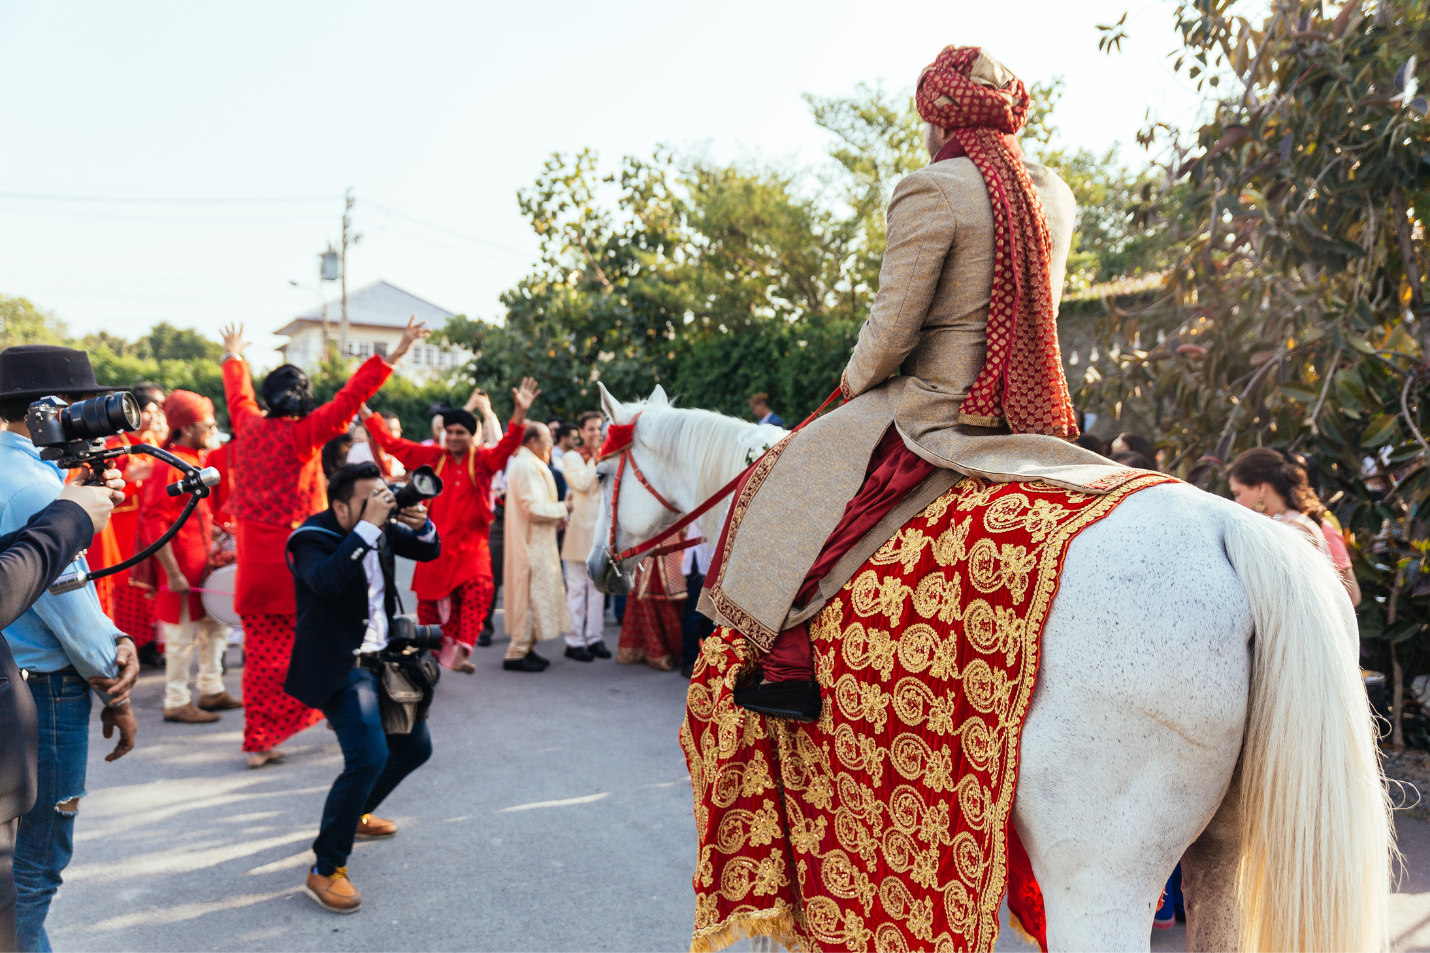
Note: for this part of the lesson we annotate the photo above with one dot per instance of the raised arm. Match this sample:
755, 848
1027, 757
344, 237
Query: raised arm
237, 381
332, 419
522, 398
491, 427
411, 453
921, 226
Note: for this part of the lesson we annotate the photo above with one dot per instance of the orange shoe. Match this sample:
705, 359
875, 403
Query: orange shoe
335, 893
373, 826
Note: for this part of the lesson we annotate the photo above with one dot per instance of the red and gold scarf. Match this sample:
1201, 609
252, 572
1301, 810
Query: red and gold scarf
1022, 379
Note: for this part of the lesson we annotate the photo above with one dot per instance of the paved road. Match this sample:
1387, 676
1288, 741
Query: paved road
554, 815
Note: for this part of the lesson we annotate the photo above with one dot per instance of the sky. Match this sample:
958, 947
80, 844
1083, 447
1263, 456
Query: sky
184, 162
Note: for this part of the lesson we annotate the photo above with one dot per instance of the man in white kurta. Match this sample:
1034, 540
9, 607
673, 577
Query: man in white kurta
583, 497
533, 594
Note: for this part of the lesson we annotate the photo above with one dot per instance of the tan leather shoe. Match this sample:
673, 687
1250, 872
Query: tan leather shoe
335, 893
190, 715
223, 701
373, 826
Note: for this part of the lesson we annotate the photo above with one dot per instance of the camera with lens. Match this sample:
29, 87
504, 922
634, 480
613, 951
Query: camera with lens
73, 435
406, 635
422, 485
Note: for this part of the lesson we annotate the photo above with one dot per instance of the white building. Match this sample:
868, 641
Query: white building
376, 316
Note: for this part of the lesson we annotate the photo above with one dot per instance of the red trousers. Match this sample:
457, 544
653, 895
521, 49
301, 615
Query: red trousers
467, 611
270, 715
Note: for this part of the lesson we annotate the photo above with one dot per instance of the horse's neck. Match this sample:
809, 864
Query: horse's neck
702, 452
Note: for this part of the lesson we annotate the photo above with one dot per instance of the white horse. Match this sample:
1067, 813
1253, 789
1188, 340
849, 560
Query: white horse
1160, 729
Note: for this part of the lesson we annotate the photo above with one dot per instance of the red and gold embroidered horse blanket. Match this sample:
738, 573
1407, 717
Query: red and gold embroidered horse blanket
887, 824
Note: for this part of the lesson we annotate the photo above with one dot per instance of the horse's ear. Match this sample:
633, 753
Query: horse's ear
609, 404
658, 398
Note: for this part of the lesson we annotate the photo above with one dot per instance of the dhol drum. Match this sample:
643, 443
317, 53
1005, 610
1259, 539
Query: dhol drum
217, 598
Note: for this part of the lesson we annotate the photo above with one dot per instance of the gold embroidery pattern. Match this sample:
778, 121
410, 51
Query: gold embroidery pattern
885, 824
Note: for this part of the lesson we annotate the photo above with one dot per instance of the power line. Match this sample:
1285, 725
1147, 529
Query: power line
466, 236
142, 217
167, 201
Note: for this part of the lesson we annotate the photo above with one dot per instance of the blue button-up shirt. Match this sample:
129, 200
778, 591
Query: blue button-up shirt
57, 631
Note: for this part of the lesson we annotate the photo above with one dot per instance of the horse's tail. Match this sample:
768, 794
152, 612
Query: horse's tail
1316, 837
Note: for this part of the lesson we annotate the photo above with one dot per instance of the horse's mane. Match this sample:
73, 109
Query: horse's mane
710, 442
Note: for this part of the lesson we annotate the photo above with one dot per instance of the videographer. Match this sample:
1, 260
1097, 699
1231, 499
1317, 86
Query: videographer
343, 567
65, 642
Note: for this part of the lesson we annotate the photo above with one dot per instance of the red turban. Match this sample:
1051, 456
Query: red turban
983, 105
184, 407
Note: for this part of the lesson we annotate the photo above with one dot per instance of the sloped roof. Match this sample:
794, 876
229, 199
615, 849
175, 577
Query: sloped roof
379, 304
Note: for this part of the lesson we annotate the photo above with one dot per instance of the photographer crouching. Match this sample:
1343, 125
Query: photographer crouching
358, 662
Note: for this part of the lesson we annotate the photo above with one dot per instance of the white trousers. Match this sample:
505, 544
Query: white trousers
209, 637
587, 605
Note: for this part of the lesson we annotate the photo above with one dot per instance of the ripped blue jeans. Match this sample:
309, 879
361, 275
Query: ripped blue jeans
46, 837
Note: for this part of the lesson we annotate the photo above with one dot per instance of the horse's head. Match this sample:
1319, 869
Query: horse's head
639, 515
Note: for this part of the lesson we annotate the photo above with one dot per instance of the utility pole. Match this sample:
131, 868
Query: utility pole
347, 224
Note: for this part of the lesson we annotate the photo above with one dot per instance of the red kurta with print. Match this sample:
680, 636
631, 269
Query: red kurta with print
223, 490
115, 543
157, 512
278, 478
462, 514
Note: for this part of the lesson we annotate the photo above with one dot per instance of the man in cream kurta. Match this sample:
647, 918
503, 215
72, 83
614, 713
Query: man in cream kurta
583, 496
534, 597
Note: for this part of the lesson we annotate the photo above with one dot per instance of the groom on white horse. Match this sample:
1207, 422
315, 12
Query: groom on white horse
919, 534
966, 314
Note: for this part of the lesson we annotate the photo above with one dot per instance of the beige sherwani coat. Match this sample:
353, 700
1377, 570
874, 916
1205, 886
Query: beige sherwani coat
534, 595
928, 322
584, 491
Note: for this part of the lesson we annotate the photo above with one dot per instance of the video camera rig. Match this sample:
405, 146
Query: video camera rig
73, 435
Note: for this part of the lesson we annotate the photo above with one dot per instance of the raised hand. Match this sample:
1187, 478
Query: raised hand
523, 397
233, 342
480, 402
413, 332
364, 411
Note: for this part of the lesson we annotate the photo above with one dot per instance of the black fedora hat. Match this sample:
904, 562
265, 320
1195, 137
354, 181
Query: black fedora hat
38, 370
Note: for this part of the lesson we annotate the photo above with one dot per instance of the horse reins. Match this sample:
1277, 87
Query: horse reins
620, 440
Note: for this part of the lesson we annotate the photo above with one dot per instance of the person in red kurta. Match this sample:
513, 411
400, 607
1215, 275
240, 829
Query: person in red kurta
277, 484
456, 589
131, 605
182, 564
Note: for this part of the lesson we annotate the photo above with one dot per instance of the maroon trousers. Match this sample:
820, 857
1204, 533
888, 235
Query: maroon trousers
893, 471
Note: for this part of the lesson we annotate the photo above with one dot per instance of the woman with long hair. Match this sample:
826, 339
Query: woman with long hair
1273, 482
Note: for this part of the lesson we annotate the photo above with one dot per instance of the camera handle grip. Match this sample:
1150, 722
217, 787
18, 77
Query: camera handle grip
199, 480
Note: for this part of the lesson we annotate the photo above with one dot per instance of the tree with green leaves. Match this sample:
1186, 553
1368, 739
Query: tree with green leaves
1293, 312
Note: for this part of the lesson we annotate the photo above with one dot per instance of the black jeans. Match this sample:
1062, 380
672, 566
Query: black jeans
496, 543
373, 764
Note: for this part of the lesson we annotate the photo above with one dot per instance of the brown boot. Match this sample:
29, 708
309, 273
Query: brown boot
334, 893
190, 715
374, 826
223, 701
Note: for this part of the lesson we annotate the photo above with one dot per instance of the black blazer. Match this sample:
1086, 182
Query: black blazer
331, 591
30, 559
33, 556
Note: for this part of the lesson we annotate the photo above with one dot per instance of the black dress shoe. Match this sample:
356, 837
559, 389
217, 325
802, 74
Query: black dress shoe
484, 639
799, 701
579, 654
598, 649
523, 664
539, 660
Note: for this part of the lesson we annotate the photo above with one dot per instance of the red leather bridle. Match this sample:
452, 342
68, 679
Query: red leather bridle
620, 438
